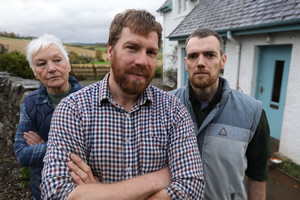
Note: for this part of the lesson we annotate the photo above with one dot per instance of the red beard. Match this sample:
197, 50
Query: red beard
204, 82
127, 83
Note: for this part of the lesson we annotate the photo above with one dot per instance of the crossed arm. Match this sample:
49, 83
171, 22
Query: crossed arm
149, 186
68, 134
32, 138
30, 148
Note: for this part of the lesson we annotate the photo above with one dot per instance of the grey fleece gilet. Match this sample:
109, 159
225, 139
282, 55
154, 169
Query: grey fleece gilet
223, 139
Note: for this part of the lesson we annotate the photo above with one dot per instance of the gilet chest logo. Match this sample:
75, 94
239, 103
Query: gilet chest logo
223, 132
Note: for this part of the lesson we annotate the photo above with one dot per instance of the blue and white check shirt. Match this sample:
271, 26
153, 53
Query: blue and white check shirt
119, 145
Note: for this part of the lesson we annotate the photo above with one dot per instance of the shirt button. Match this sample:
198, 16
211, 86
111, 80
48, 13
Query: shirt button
127, 116
127, 141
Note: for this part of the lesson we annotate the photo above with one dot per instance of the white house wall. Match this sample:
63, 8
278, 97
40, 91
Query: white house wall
170, 22
168, 46
290, 136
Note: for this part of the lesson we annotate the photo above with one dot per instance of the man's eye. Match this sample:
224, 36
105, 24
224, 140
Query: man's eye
210, 55
131, 47
152, 53
191, 56
57, 60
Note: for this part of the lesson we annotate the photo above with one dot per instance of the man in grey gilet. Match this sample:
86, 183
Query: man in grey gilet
232, 129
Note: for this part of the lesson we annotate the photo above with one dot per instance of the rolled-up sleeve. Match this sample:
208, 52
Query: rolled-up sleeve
56, 180
184, 159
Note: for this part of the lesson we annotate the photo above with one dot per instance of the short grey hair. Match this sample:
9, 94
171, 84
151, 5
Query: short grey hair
43, 42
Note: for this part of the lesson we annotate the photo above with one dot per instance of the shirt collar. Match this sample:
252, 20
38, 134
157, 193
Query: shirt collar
105, 95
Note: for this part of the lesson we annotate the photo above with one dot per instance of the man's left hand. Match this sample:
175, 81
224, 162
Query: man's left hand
81, 172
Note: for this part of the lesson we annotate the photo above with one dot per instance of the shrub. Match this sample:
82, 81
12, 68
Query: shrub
74, 58
158, 72
15, 62
99, 55
171, 75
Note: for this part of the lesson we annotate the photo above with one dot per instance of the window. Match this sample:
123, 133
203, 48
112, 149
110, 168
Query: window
277, 80
181, 6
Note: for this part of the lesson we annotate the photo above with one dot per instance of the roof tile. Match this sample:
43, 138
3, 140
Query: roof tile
224, 14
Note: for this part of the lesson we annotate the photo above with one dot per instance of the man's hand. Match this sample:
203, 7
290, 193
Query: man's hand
32, 138
81, 172
136, 188
141, 187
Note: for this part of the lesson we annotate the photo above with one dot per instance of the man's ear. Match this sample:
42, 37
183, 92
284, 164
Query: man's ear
109, 51
223, 61
185, 63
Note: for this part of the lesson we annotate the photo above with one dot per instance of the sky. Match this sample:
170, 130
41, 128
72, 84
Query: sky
73, 21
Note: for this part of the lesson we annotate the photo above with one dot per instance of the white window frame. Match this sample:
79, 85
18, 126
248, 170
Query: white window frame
181, 6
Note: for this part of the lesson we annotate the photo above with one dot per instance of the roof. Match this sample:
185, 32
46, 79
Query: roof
166, 6
241, 17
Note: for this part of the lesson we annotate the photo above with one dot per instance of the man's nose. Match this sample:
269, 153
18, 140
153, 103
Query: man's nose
201, 61
141, 58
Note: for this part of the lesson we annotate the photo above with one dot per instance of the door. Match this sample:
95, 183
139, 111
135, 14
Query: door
271, 86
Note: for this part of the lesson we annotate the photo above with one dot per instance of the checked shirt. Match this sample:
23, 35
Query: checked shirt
119, 145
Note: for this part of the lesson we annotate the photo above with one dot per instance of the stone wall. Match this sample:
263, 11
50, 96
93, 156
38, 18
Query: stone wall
12, 92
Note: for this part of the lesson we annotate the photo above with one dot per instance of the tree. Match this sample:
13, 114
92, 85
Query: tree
74, 58
99, 55
15, 62
12, 35
2, 49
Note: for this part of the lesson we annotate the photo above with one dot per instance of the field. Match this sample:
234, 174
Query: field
86, 51
20, 45
14, 44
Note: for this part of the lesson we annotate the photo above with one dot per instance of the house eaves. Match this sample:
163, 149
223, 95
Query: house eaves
167, 6
240, 17
280, 26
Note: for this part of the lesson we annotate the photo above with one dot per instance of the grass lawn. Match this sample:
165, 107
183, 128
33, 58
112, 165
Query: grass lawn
100, 63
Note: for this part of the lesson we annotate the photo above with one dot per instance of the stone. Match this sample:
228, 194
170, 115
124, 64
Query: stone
12, 92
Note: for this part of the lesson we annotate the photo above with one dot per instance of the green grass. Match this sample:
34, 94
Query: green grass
95, 47
100, 63
7, 38
24, 174
103, 49
290, 168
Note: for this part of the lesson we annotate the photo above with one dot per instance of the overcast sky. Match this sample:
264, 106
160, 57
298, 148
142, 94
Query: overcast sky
85, 21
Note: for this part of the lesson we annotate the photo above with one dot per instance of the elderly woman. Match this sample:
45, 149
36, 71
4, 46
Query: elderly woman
50, 64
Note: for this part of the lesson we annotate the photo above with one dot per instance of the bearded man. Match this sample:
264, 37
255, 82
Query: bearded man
232, 128
122, 138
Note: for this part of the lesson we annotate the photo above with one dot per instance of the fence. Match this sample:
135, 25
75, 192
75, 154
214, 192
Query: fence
89, 71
